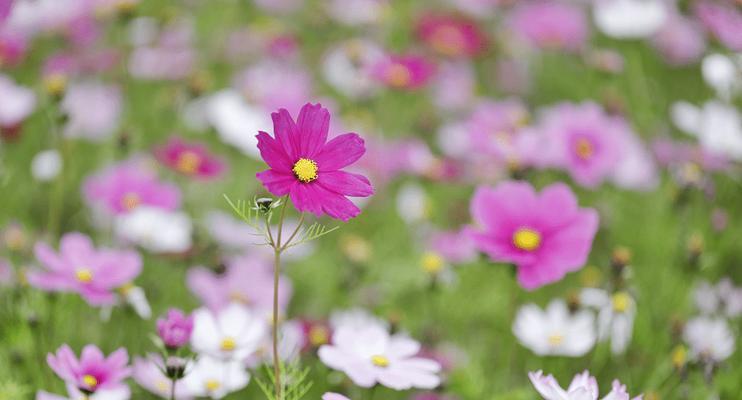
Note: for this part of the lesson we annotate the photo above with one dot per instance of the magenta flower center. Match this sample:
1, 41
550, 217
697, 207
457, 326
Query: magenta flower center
305, 170
188, 162
527, 239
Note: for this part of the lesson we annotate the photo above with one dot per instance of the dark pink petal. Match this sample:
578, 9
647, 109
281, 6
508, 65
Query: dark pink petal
318, 200
570, 246
557, 206
313, 124
340, 152
346, 183
306, 199
273, 153
286, 133
279, 184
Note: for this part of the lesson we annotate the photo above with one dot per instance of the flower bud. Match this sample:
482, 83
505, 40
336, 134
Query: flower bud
175, 329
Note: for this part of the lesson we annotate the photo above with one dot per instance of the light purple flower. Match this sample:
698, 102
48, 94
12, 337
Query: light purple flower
333, 396
369, 354
553, 25
93, 371
80, 267
680, 40
16, 103
723, 20
175, 329
123, 187
82, 97
248, 280
545, 235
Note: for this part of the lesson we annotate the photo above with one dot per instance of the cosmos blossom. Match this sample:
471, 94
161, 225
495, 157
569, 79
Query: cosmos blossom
450, 35
147, 372
175, 328
554, 331
333, 396
552, 25
80, 267
307, 167
369, 354
191, 159
583, 387
545, 235
92, 371
405, 72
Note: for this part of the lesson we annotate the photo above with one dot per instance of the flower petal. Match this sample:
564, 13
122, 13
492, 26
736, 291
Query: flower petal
313, 124
285, 131
340, 152
279, 184
346, 183
273, 153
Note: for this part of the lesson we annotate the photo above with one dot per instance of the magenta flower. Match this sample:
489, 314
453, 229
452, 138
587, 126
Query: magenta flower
305, 166
192, 159
248, 280
5, 9
552, 25
121, 188
403, 71
93, 371
80, 267
545, 235
723, 20
175, 329
451, 35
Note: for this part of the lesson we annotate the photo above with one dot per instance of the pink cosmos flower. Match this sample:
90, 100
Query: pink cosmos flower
723, 20
554, 25
583, 387
192, 159
80, 98
586, 141
13, 48
305, 166
93, 371
175, 329
5, 9
121, 188
407, 72
369, 354
275, 84
680, 40
450, 35
545, 235
454, 246
248, 280
333, 396
147, 372
80, 267
493, 126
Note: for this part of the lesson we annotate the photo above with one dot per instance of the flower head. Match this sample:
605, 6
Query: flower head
233, 333
450, 35
550, 24
215, 378
403, 71
92, 371
80, 267
369, 354
555, 331
175, 329
148, 373
583, 387
333, 396
710, 339
545, 235
191, 159
305, 166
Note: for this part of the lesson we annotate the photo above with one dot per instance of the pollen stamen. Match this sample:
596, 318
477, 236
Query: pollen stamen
188, 162
380, 361
527, 239
84, 275
305, 170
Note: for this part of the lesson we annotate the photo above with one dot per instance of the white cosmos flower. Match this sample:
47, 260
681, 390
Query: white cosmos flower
629, 19
355, 318
616, 315
709, 339
583, 387
233, 333
46, 165
16, 102
718, 126
555, 331
155, 229
721, 73
214, 378
236, 121
137, 299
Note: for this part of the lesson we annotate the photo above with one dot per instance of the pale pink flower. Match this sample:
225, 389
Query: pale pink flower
147, 372
553, 25
583, 387
92, 371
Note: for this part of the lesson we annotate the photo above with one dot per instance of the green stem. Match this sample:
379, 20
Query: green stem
293, 234
277, 249
172, 388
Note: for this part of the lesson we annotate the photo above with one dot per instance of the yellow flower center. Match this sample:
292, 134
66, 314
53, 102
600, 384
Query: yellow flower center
90, 381
84, 275
55, 83
130, 201
556, 339
305, 170
584, 149
527, 239
380, 361
126, 288
188, 162
228, 344
679, 356
621, 302
318, 335
398, 75
432, 263
239, 297
212, 385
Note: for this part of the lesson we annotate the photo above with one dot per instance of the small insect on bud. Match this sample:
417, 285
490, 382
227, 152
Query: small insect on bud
264, 205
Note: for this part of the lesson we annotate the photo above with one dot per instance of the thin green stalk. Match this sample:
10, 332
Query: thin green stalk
172, 388
277, 249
